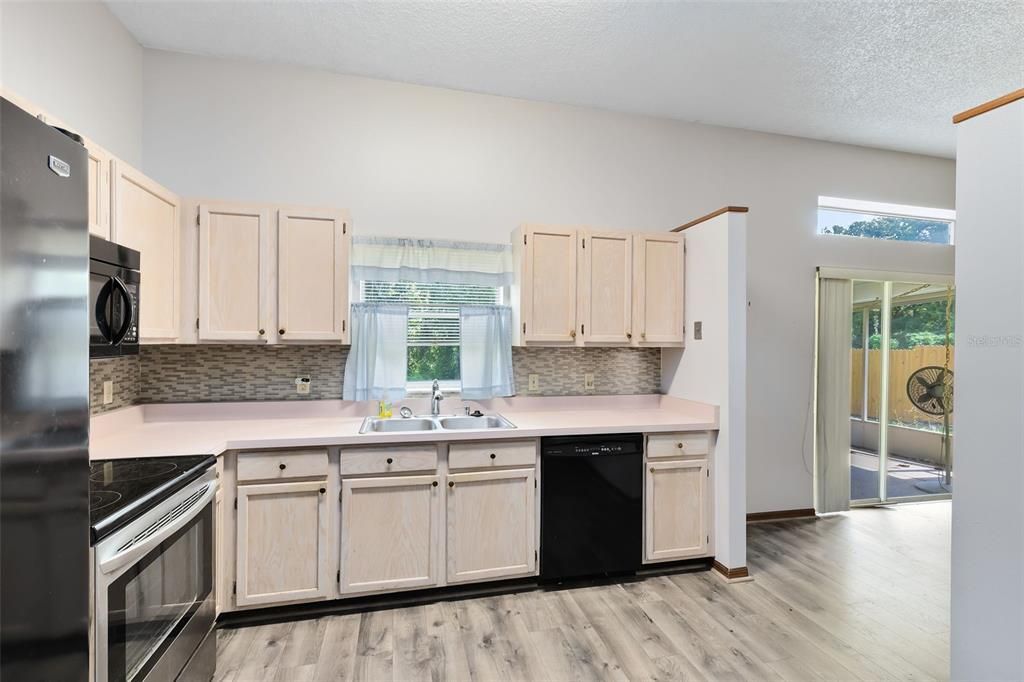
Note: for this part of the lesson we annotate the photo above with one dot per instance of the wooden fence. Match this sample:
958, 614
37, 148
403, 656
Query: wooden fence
902, 363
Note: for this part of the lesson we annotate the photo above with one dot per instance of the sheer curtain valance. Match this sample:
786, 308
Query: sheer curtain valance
431, 260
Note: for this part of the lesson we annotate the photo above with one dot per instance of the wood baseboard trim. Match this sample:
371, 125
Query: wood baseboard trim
731, 573
989, 106
781, 515
709, 216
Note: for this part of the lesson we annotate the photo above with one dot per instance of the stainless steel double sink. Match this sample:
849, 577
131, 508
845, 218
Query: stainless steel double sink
428, 423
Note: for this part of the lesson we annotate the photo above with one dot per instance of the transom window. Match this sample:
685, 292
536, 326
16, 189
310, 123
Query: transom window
876, 220
433, 323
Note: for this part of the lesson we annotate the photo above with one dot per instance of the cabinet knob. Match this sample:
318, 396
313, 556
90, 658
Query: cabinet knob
679, 445
451, 484
493, 456
281, 466
323, 490
390, 461
652, 470
434, 484
629, 335
572, 334
281, 332
262, 332
643, 335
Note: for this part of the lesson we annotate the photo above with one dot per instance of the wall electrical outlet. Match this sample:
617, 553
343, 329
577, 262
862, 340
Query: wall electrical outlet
534, 384
302, 385
698, 330
108, 392
588, 382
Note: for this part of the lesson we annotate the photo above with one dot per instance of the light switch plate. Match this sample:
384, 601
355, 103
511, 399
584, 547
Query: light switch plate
108, 392
588, 382
302, 385
698, 331
534, 384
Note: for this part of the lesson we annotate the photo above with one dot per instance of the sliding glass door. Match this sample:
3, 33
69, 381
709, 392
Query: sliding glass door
901, 391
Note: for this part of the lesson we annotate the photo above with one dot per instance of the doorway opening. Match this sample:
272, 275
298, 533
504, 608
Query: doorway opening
901, 398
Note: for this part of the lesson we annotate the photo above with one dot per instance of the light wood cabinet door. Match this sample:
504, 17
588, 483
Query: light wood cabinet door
491, 525
605, 287
658, 301
234, 272
312, 287
146, 218
548, 284
282, 543
100, 163
676, 510
389, 533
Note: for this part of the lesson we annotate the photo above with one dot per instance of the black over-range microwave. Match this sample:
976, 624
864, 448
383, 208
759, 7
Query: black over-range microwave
113, 299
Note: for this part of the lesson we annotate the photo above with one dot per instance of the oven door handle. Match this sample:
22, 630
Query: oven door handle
158, 532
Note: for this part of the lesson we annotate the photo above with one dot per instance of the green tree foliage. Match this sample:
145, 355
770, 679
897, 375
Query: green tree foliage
895, 228
433, 362
913, 324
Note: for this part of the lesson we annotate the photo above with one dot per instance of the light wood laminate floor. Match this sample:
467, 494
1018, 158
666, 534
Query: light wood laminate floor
857, 596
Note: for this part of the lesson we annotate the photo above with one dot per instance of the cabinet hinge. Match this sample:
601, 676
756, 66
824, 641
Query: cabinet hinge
197, 323
708, 472
344, 228
524, 238
534, 555
707, 539
197, 218
535, 483
338, 576
343, 326
236, 503
524, 327
234, 587
583, 329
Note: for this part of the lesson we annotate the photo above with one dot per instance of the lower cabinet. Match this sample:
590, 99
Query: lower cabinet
676, 509
389, 533
282, 543
491, 530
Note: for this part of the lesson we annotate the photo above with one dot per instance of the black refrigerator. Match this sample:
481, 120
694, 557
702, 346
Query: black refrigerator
44, 401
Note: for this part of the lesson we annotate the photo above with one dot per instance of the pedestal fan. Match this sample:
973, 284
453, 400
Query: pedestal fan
930, 389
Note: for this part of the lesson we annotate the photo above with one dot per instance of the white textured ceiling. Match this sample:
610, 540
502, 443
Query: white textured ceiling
880, 74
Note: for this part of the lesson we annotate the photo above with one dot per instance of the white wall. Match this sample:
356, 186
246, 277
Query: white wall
77, 62
713, 369
410, 160
987, 618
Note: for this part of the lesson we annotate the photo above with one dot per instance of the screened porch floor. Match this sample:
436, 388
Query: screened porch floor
905, 478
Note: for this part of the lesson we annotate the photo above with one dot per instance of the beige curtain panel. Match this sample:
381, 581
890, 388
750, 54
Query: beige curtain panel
832, 427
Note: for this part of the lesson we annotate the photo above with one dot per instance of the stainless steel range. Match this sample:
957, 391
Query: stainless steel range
152, 551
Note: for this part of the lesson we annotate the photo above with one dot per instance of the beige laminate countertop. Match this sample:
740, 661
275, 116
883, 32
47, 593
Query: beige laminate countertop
194, 428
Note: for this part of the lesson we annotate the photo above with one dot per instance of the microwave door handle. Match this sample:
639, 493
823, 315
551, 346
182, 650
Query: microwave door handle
137, 550
103, 312
126, 298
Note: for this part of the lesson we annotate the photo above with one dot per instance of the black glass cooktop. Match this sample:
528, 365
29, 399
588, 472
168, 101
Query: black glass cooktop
122, 489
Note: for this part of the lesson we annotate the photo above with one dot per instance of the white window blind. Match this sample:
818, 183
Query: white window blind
433, 306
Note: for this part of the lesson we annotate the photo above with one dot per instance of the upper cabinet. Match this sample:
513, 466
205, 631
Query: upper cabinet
234, 272
146, 218
312, 266
577, 286
100, 171
271, 275
605, 287
658, 303
547, 283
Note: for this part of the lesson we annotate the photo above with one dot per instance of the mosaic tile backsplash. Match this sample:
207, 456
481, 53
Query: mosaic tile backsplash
214, 373
123, 372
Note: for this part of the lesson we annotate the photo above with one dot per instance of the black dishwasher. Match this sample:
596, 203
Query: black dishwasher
591, 508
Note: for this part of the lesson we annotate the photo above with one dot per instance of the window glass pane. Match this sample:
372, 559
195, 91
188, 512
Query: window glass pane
898, 228
433, 321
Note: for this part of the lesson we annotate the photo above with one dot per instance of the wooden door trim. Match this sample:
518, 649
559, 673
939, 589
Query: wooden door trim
243, 492
206, 333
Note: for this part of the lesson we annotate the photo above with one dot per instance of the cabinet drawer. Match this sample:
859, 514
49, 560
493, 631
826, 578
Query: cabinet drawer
259, 466
692, 444
492, 454
388, 460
